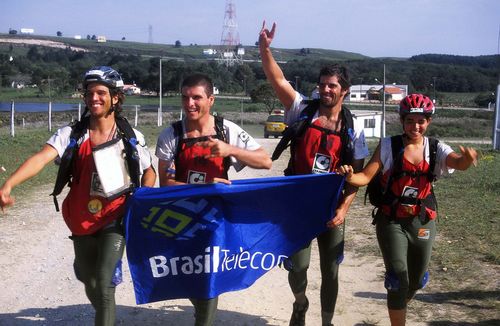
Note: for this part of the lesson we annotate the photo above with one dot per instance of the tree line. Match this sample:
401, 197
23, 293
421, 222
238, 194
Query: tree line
62, 69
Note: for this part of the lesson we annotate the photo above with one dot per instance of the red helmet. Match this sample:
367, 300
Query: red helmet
416, 103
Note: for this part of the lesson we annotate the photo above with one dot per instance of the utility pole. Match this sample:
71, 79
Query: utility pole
434, 89
49, 125
160, 117
360, 90
383, 106
496, 124
12, 119
241, 101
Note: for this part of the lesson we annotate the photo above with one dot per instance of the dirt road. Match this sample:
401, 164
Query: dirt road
38, 286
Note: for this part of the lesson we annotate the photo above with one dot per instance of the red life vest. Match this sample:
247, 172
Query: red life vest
317, 151
85, 213
192, 166
412, 190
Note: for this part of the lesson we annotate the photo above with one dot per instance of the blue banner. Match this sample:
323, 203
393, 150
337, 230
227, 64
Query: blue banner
198, 241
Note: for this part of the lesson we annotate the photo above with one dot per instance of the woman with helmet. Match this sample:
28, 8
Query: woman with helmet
92, 214
405, 221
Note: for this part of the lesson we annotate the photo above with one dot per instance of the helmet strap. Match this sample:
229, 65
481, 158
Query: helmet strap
85, 111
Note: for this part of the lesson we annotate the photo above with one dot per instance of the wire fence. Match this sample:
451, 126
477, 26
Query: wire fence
13, 120
54, 119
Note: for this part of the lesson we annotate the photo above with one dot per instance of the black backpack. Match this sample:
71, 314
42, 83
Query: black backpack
379, 195
78, 129
220, 134
299, 127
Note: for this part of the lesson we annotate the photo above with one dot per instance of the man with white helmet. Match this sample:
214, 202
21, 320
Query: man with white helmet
93, 208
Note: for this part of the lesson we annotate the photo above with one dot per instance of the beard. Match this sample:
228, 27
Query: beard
328, 102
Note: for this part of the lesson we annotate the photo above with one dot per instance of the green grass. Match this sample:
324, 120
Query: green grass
13, 152
457, 99
469, 210
452, 124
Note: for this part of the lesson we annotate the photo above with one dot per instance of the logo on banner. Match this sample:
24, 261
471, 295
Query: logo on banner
182, 219
213, 260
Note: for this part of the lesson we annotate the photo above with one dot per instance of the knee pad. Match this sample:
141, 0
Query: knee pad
392, 282
117, 274
340, 259
424, 280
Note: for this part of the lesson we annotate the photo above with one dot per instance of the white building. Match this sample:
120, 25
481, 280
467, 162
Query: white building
360, 93
131, 90
209, 52
27, 30
370, 120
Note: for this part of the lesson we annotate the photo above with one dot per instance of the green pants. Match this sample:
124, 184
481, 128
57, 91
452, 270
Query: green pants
331, 254
204, 311
96, 257
406, 246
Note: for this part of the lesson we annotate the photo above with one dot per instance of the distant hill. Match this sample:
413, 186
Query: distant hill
34, 60
483, 61
184, 51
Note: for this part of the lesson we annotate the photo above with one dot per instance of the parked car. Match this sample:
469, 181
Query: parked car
275, 124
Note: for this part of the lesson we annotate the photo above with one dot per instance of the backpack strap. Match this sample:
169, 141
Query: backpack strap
219, 128
430, 201
64, 174
433, 145
219, 132
132, 155
296, 129
178, 136
397, 149
347, 136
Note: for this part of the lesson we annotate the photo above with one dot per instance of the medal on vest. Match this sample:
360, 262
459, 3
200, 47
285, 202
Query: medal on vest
94, 206
321, 163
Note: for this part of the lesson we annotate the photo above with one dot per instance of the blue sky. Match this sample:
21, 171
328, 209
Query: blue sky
377, 28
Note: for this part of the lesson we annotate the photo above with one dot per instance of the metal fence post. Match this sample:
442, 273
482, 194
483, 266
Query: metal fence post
496, 123
50, 116
12, 129
136, 115
159, 117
